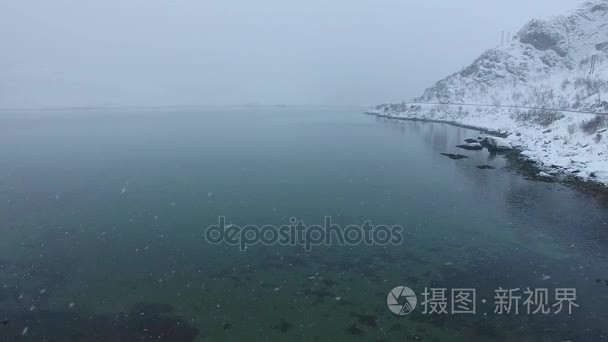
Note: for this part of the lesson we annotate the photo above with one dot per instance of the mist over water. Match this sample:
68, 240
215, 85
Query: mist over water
85, 53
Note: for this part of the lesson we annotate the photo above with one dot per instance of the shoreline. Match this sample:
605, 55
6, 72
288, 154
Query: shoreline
494, 133
521, 164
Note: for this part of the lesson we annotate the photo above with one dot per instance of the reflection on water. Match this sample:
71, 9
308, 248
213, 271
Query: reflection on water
103, 214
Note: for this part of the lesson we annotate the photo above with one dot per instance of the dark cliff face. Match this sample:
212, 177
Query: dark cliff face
600, 7
540, 35
602, 46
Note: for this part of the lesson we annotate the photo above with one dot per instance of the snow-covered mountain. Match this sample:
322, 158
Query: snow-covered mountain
560, 63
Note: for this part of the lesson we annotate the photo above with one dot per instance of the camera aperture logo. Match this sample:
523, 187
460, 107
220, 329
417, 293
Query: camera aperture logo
401, 300
299, 234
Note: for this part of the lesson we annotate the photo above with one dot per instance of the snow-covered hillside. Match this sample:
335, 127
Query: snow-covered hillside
560, 63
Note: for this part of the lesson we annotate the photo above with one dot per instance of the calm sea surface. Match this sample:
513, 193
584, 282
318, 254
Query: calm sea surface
103, 216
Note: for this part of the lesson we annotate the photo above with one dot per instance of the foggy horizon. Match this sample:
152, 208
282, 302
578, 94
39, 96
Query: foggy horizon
157, 53
237, 170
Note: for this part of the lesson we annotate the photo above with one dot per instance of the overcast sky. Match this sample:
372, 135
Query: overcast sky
157, 52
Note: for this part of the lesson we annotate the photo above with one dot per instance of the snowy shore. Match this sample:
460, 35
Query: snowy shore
559, 149
546, 91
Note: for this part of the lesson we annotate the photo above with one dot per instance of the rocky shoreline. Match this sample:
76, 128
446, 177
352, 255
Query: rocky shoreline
495, 142
495, 133
544, 88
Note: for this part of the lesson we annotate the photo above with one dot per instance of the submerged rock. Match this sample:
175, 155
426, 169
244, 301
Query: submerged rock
471, 147
602, 281
145, 322
354, 330
366, 320
283, 326
454, 156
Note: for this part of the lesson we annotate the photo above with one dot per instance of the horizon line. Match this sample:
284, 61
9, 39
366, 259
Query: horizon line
53, 108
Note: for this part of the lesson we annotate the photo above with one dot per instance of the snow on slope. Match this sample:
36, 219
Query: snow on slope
560, 63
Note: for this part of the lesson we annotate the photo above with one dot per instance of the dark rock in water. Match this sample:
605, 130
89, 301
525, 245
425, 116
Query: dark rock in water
471, 147
488, 143
485, 167
160, 326
454, 156
283, 326
395, 327
319, 293
353, 330
152, 309
494, 145
367, 320
470, 141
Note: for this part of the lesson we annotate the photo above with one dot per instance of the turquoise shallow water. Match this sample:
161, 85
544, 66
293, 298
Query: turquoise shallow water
103, 214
